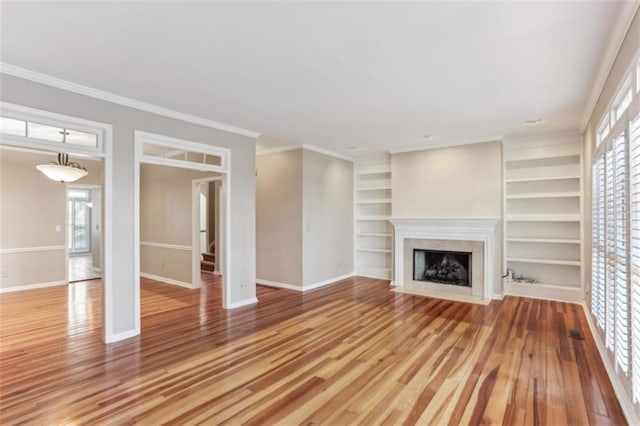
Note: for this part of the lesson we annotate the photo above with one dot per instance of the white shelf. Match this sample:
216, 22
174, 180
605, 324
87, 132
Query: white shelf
369, 218
544, 240
573, 194
373, 234
375, 170
542, 178
380, 201
374, 188
544, 218
374, 250
544, 261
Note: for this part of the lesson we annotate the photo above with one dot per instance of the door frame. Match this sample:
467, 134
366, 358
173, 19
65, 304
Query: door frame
142, 138
195, 230
104, 151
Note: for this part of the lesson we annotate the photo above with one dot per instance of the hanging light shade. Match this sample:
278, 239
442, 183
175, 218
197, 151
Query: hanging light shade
63, 170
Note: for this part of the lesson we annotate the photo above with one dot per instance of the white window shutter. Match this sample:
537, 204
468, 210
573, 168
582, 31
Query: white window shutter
634, 211
598, 244
610, 275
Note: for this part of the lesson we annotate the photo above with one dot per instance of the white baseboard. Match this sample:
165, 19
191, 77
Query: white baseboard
306, 287
121, 336
498, 296
277, 284
32, 286
545, 291
241, 303
633, 418
327, 282
167, 280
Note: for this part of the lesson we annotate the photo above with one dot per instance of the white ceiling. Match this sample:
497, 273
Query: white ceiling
374, 74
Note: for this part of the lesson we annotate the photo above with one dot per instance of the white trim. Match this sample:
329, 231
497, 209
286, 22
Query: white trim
122, 336
277, 284
330, 281
82, 157
196, 255
165, 246
545, 292
32, 286
241, 303
464, 229
31, 249
308, 287
623, 22
625, 402
167, 280
48, 80
308, 147
442, 144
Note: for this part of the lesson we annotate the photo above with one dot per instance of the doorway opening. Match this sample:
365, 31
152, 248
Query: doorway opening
84, 232
207, 203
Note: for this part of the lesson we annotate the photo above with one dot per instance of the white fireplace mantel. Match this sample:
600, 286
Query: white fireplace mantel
465, 229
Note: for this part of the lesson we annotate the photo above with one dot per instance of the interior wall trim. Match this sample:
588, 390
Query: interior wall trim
31, 249
33, 286
165, 246
167, 280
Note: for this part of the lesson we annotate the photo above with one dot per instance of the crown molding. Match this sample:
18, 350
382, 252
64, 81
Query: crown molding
69, 86
442, 144
308, 147
625, 17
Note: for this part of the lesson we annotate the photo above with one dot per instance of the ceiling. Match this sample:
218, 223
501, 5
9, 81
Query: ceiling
377, 75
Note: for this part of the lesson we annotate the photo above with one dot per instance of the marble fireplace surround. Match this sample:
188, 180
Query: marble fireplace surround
475, 235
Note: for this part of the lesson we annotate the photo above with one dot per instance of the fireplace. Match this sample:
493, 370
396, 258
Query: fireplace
442, 267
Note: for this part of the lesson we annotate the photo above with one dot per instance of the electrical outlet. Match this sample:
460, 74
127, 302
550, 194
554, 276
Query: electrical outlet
2, 274
58, 228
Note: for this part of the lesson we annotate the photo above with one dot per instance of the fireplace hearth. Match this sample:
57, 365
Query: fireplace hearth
442, 267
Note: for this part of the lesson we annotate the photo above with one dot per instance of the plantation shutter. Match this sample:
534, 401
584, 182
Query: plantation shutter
621, 236
610, 272
598, 243
634, 179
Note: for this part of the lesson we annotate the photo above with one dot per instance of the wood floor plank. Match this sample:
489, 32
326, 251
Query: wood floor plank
350, 353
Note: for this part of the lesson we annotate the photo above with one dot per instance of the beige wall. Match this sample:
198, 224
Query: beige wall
279, 217
32, 207
460, 181
327, 219
166, 218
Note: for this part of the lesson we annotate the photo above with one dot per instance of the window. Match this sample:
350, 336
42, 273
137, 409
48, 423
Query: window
615, 292
44, 132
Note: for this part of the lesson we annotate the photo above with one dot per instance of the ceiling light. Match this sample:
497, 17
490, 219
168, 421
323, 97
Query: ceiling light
63, 170
533, 121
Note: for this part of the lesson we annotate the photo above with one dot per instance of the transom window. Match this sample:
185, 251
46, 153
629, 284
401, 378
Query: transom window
44, 132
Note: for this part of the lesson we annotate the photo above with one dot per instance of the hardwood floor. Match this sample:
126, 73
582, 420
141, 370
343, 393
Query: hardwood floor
351, 353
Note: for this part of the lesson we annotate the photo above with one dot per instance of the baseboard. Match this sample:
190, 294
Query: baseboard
277, 284
498, 296
32, 286
167, 280
121, 336
545, 292
623, 398
306, 287
246, 302
327, 282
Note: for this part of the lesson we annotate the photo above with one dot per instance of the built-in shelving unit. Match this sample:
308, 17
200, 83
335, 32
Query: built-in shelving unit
543, 216
372, 213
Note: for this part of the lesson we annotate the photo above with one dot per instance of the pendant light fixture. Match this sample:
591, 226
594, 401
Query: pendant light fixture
63, 170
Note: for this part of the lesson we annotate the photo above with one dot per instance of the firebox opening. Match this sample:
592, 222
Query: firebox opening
443, 267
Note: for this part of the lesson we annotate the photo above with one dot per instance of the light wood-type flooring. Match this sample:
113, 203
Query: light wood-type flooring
350, 353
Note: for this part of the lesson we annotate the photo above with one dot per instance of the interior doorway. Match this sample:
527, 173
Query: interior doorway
84, 232
207, 259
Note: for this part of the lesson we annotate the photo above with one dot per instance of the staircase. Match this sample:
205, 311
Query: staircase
208, 262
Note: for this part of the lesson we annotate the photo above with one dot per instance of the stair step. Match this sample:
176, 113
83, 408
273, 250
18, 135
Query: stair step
207, 266
209, 257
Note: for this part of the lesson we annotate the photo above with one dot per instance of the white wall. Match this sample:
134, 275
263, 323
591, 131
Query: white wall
125, 120
327, 220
